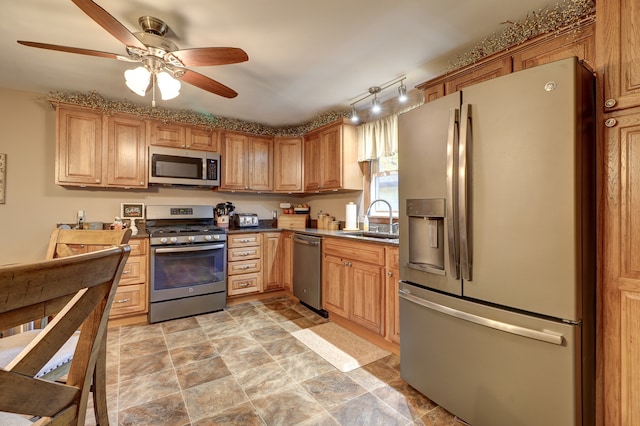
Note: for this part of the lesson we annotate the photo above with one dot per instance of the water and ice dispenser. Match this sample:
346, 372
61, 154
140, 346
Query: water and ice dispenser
426, 234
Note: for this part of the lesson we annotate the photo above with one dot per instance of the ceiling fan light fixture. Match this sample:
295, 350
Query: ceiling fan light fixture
169, 86
137, 80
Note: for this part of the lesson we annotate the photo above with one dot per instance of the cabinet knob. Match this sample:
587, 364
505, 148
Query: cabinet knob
390, 273
123, 300
610, 122
97, 180
610, 103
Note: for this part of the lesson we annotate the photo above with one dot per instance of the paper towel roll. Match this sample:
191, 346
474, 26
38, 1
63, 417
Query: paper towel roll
351, 217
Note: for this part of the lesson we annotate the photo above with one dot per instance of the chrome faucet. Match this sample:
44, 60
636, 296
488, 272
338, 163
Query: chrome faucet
390, 211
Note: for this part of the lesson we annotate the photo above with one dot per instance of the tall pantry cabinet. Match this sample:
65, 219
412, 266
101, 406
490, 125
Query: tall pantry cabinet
618, 121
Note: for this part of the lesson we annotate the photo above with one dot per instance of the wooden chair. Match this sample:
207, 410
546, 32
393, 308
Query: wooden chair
69, 242
78, 292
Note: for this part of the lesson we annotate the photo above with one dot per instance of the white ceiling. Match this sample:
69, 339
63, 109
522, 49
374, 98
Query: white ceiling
305, 57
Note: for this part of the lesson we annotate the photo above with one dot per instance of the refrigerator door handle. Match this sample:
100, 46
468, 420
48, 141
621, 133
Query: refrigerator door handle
544, 336
452, 147
463, 191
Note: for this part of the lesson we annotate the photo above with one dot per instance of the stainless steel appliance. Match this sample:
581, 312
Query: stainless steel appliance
497, 248
175, 166
246, 220
307, 271
187, 264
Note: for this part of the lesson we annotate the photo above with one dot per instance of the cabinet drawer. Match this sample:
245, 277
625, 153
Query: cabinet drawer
138, 246
243, 253
135, 270
130, 299
368, 253
243, 284
243, 240
243, 267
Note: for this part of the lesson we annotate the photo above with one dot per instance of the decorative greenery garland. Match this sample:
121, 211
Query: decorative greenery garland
565, 14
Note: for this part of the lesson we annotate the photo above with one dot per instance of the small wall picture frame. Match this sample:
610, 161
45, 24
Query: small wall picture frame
131, 210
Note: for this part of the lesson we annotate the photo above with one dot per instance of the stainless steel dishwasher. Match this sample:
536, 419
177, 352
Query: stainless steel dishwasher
307, 271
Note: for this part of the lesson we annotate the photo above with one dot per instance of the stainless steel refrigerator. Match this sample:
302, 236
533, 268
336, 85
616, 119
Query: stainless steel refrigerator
497, 248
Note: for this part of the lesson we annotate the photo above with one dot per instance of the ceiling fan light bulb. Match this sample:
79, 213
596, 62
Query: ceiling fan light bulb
138, 80
169, 86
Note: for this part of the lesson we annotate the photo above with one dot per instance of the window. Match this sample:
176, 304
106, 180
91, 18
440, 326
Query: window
384, 185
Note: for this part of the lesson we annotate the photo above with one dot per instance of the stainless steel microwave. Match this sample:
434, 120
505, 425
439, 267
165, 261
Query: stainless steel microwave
175, 166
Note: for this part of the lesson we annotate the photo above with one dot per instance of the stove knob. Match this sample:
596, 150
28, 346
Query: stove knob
173, 240
208, 237
163, 240
216, 237
191, 238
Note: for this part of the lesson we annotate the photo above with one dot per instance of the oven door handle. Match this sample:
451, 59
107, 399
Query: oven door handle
188, 248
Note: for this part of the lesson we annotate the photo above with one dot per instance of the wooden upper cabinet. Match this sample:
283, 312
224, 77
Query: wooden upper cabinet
247, 163
178, 135
580, 43
433, 91
478, 74
331, 159
203, 139
99, 150
170, 135
618, 54
126, 152
79, 147
287, 165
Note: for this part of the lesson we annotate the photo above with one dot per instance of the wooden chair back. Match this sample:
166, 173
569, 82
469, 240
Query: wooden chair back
69, 242
31, 291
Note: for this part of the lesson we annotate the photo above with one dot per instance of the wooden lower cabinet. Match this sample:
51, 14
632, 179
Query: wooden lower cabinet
353, 282
132, 296
620, 288
272, 259
244, 264
258, 262
392, 312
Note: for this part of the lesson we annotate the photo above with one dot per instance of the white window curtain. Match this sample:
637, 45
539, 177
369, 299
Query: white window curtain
378, 138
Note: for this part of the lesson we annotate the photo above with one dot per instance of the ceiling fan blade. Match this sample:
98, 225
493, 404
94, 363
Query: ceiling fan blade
109, 23
71, 49
205, 56
205, 83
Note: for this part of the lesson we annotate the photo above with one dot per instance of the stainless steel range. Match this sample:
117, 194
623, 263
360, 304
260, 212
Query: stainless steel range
188, 262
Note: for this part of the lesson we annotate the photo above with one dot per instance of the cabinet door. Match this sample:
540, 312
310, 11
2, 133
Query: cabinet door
260, 164
367, 296
479, 74
126, 152
334, 286
234, 154
312, 178
287, 165
578, 43
331, 158
392, 311
621, 268
171, 135
272, 256
287, 260
203, 139
617, 42
79, 147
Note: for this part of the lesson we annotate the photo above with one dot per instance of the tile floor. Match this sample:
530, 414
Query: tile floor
241, 366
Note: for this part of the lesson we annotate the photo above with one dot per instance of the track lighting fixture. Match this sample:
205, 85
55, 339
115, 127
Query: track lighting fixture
376, 106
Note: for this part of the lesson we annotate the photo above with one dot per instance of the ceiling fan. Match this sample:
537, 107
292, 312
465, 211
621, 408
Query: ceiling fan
163, 63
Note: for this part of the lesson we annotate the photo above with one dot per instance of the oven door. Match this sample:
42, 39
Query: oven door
189, 270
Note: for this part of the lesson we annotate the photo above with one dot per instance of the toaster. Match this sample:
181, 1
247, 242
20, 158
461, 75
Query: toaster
245, 220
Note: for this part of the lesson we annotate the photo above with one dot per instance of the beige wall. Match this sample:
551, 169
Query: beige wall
34, 204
